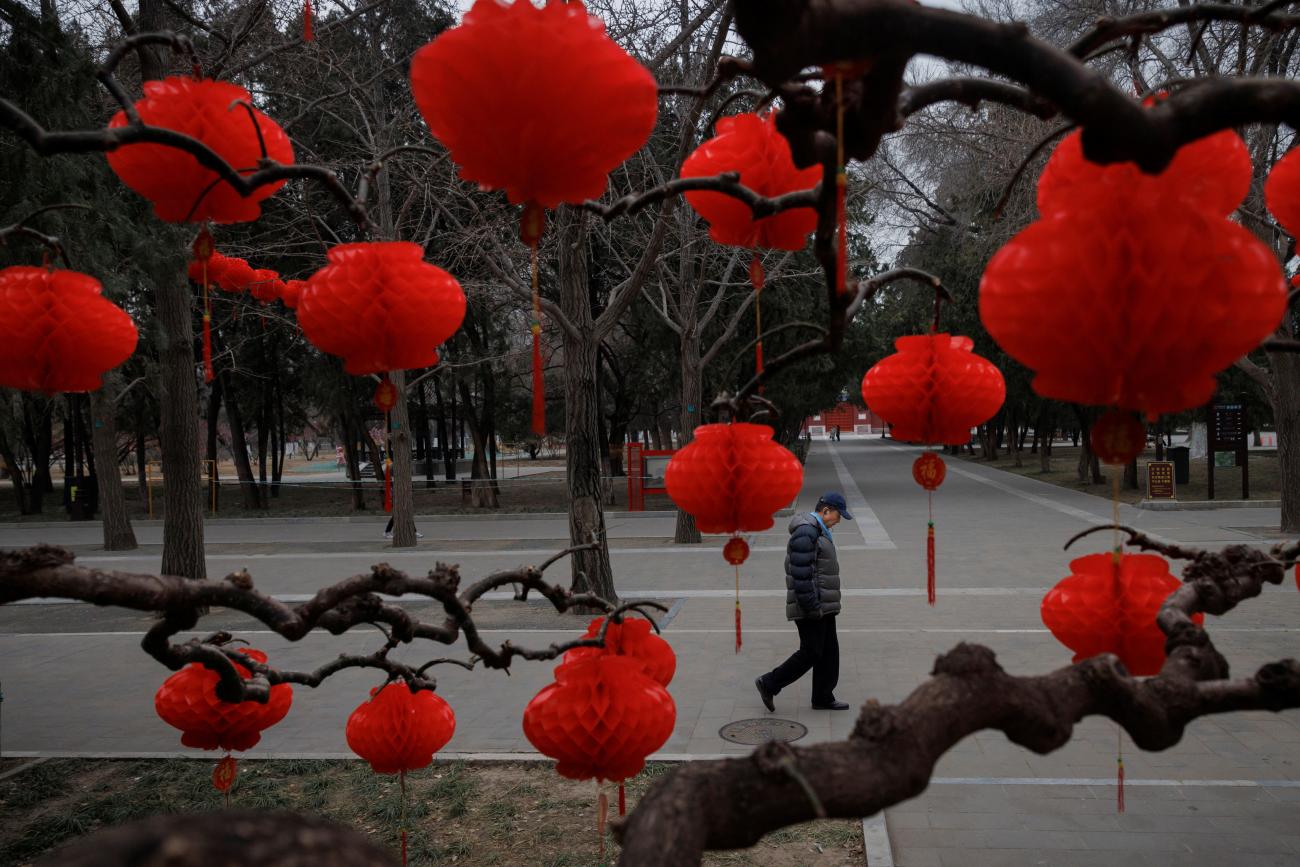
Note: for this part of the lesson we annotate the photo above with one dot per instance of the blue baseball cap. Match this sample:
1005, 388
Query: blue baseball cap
835, 500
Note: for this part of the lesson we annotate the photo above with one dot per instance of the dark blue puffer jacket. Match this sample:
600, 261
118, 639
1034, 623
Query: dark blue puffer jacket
812, 570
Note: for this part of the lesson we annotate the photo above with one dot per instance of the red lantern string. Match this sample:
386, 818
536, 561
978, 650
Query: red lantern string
1119, 758
929, 471
736, 552
203, 249
602, 809
532, 223
622, 799
308, 25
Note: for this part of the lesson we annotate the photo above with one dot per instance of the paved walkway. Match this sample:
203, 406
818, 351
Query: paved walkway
1227, 794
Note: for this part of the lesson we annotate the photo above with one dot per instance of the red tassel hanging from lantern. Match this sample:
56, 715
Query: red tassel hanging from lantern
929, 471
203, 249
385, 398
308, 22
736, 552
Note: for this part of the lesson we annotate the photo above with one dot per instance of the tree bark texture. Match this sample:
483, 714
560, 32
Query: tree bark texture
687, 533
118, 535
1286, 415
403, 496
239, 445
178, 405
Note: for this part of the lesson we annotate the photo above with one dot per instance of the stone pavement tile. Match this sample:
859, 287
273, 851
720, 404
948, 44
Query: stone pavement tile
898, 819
905, 838
982, 856
973, 821
1122, 841
920, 857
998, 838
1068, 821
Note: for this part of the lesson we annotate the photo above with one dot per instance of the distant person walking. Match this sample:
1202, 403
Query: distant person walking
812, 599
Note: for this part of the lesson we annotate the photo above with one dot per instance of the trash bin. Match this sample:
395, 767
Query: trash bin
1181, 456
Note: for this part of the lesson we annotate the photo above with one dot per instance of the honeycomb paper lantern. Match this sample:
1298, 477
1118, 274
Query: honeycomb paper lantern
1109, 605
1282, 192
291, 292
934, 389
399, 729
538, 102
181, 189
600, 719
1133, 291
57, 332
188, 701
751, 145
266, 285
634, 639
234, 274
733, 478
380, 307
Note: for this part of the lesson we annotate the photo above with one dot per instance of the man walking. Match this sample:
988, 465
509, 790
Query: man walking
812, 599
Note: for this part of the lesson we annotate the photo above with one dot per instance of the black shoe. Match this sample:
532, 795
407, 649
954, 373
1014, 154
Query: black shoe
834, 705
765, 694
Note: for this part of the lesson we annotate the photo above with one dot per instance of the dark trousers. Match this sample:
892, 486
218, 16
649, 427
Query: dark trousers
819, 649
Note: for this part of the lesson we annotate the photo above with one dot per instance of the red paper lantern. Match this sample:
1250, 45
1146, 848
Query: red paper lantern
291, 292
1132, 290
399, 729
266, 285
385, 397
1117, 438
929, 471
600, 719
635, 639
233, 274
736, 551
509, 89
934, 389
733, 478
188, 701
57, 332
1108, 604
1282, 192
380, 307
181, 189
751, 145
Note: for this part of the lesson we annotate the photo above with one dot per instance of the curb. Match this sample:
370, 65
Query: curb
1206, 505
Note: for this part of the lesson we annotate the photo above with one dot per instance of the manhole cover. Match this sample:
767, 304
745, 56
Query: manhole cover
762, 730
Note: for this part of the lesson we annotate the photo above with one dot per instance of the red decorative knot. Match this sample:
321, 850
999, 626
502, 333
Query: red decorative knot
733, 478
736, 551
515, 131
1108, 604
399, 729
385, 395
934, 389
225, 774
57, 332
633, 638
751, 145
380, 307
203, 246
929, 471
181, 189
1133, 290
1118, 437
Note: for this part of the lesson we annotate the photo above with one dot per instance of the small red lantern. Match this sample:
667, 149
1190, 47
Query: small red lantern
385, 396
751, 145
399, 729
291, 292
736, 551
232, 273
635, 639
266, 285
182, 190
1134, 290
600, 719
57, 332
929, 471
934, 389
508, 90
188, 701
1108, 604
1117, 438
380, 307
733, 478
1282, 192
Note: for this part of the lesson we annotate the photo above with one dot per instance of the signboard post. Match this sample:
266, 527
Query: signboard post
1227, 433
1160, 480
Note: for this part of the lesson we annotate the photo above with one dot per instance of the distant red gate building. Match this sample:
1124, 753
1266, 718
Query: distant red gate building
849, 418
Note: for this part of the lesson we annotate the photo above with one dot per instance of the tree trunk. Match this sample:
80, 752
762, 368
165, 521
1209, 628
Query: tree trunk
482, 495
118, 535
141, 453
178, 404
214, 420
403, 495
353, 461
429, 481
15, 471
1286, 415
239, 446
687, 533
1046, 433
590, 567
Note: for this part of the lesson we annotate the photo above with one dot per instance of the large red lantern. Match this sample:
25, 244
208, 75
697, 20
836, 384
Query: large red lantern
635, 639
57, 332
751, 145
188, 701
509, 89
1133, 290
600, 719
1282, 192
732, 478
1108, 604
934, 389
399, 729
380, 307
181, 189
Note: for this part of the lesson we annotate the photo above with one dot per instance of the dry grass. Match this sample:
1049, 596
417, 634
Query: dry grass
458, 813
